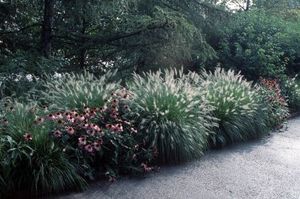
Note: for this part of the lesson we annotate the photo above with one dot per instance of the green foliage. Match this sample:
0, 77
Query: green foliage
290, 89
275, 102
74, 91
134, 35
102, 138
21, 72
277, 5
32, 163
170, 115
251, 43
237, 106
2, 181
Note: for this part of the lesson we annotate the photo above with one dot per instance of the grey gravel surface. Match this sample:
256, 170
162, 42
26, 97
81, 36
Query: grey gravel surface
265, 169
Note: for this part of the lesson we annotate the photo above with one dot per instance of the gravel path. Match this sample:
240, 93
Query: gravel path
264, 169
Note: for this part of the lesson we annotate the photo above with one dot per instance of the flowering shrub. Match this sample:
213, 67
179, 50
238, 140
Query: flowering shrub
291, 90
274, 101
237, 106
32, 163
170, 115
74, 91
102, 136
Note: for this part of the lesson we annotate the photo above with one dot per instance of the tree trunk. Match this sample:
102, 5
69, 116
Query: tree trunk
47, 23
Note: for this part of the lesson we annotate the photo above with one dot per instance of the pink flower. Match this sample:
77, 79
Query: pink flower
97, 145
74, 112
96, 127
87, 114
86, 109
71, 119
115, 101
39, 120
108, 126
27, 136
92, 113
86, 126
89, 148
70, 130
81, 118
57, 133
118, 128
51, 117
113, 115
69, 116
59, 115
82, 140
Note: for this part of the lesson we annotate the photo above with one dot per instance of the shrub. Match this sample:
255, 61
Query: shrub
74, 91
21, 71
170, 115
291, 90
237, 106
252, 44
32, 163
102, 138
277, 107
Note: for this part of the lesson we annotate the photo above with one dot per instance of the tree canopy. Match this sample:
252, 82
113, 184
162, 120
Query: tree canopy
41, 37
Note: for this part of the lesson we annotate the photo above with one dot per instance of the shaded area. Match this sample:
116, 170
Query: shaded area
268, 168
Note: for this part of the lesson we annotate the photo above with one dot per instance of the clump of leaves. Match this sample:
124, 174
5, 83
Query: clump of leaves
170, 115
291, 90
33, 164
275, 102
237, 106
74, 91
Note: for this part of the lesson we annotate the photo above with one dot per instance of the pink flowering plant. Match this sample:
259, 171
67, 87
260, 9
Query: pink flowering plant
31, 163
275, 102
102, 137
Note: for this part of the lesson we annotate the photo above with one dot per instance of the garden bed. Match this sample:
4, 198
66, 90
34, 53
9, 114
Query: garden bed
84, 127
